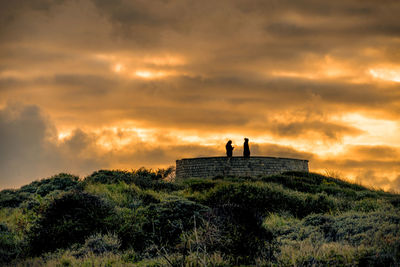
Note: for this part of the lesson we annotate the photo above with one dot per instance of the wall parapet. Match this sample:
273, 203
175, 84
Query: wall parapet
206, 167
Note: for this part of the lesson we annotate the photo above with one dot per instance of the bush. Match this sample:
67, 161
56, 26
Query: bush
377, 257
315, 178
267, 198
130, 228
69, 219
375, 229
122, 194
319, 203
160, 185
200, 185
109, 177
59, 182
168, 219
316, 183
365, 228
99, 244
9, 245
143, 178
241, 232
12, 198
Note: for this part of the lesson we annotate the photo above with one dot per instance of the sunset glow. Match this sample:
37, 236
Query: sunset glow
149, 74
118, 67
86, 85
165, 61
386, 74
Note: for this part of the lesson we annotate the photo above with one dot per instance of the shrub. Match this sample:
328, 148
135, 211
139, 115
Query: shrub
115, 176
366, 205
376, 257
241, 232
109, 177
100, 243
130, 228
69, 219
394, 200
160, 185
318, 179
364, 228
9, 245
122, 194
143, 178
168, 219
281, 224
12, 198
59, 182
267, 197
375, 229
319, 203
200, 185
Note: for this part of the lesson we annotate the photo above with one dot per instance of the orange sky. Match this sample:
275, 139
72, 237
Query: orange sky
90, 84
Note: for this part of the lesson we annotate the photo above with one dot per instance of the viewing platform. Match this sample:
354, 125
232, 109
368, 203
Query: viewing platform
208, 167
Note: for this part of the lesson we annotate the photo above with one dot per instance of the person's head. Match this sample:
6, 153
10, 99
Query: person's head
246, 140
229, 142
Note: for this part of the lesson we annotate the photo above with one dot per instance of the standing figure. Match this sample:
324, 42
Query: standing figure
229, 149
246, 149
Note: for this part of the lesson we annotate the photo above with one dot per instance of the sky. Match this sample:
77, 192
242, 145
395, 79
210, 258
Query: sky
98, 84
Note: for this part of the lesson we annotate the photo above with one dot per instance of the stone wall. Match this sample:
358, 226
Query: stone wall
237, 166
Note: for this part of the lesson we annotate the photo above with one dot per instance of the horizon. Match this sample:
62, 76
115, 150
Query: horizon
89, 84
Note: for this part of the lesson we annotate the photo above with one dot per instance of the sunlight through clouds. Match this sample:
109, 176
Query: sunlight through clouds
147, 74
118, 68
316, 68
375, 131
386, 74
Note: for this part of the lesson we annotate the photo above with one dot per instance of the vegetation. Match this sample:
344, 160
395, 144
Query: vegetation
141, 218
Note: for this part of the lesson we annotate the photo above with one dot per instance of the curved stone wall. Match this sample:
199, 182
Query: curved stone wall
237, 166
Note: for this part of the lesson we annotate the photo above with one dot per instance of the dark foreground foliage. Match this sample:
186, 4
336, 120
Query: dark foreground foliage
69, 219
60, 182
138, 218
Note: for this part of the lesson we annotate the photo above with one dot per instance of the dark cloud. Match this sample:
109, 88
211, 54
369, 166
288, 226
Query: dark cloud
24, 142
274, 150
11, 11
329, 130
30, 148
377, 152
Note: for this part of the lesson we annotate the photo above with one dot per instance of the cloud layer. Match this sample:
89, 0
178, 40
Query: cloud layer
131, 83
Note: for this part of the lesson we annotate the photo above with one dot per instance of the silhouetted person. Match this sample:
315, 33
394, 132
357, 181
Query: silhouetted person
229, 149
246, 149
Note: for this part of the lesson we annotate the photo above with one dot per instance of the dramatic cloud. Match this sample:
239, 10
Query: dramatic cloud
122, 84
31, 148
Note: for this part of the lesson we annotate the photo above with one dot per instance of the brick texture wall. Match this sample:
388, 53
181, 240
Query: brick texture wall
237, 166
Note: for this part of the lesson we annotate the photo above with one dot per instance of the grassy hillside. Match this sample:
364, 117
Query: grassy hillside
119, 218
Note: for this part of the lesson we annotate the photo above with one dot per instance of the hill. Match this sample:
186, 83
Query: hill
137, 218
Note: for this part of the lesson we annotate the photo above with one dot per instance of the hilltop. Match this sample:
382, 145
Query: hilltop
138, 218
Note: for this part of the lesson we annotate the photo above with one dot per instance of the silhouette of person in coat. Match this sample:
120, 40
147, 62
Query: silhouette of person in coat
229, 149
246, 149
